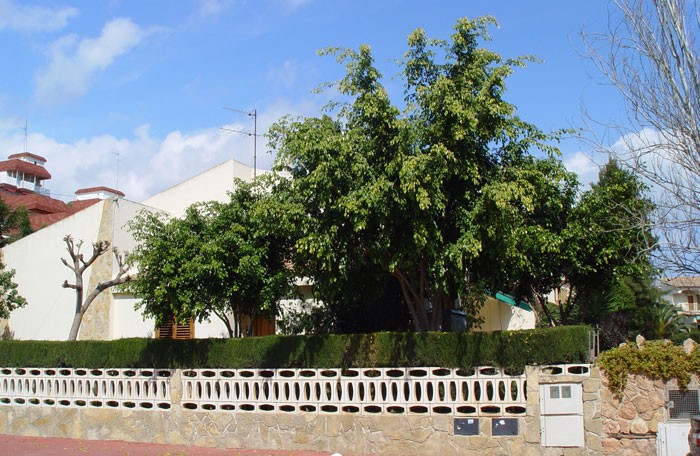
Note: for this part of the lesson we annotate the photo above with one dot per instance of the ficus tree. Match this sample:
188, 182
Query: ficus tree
79, 264
418, 194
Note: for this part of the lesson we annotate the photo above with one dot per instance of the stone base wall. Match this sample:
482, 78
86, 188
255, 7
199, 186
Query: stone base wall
376, 435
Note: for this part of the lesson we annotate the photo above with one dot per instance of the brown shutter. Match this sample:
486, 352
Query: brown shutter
173, 330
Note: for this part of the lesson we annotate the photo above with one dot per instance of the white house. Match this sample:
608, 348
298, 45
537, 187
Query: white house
684, 293
102, 214
502, 312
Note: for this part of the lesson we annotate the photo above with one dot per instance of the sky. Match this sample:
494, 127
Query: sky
133, 94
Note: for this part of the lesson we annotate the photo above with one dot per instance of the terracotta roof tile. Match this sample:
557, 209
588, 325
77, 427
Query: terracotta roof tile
43, 210
16, 164
683, 282
98, 189
27, 154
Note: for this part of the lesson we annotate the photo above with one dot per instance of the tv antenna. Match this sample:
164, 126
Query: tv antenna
26, 133
117, 154
254, 134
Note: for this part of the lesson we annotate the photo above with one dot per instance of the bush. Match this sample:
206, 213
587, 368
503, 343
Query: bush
657, 359
515, 349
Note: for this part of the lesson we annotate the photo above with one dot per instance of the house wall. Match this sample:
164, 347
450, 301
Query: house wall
211, 185
499, 316
39, 274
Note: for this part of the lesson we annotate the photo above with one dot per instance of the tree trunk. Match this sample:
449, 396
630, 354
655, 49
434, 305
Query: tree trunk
75, 327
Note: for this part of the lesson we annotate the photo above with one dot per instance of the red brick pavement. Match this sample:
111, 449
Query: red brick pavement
43, 446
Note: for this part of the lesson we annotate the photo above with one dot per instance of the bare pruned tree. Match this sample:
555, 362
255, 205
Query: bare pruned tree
650, 53
78, 264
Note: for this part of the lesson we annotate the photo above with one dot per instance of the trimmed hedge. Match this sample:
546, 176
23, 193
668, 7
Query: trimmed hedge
512, 349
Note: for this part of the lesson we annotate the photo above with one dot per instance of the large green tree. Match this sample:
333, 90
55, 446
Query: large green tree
14, 223
227, 260
435, 195
10, 299
609, 233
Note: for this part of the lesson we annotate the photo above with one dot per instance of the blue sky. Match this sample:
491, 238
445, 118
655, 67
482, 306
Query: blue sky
132, 92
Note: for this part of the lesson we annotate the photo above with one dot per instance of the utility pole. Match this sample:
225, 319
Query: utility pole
254, 134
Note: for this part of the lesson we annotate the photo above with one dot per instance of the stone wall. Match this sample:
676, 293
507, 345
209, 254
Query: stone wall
96, 324
631, 419
333, 432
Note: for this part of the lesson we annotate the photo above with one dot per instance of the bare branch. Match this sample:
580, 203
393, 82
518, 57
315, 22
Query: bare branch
650, 55
79, 265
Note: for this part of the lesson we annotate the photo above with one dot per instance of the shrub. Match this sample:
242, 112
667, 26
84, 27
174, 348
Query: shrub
659, 359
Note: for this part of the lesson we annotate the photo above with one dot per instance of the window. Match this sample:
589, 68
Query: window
29, 178
692, 305
560, 392
174, 330
682, 404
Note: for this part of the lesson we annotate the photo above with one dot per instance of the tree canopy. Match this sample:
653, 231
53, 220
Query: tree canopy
14, 223
10, 299
441, 194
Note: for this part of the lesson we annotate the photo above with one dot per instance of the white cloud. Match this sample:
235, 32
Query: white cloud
142, 165
139, 166
76, 62
208, 8
28, 18
285, 75
584, 166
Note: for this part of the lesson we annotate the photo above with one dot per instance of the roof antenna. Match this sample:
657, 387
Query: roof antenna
26, 132
254, 134
117, 154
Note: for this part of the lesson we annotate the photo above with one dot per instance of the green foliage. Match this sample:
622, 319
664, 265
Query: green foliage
14, 223
606, 250
443, 198
655, 359
508, 349
665, 321
218, 260
680, 337
10, 299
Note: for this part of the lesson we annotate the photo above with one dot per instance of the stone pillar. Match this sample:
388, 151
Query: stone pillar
96, 321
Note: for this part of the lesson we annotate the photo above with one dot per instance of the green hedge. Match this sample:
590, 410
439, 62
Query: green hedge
514, 349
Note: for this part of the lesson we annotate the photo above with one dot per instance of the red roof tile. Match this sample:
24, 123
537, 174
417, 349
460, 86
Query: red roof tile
98, 189
16, 164
27, 154
683, 282
44, 210
39, 221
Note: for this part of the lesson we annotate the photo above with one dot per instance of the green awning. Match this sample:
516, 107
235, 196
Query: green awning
511, 301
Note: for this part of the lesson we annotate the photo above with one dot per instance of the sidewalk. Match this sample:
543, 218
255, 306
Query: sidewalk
43, 446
